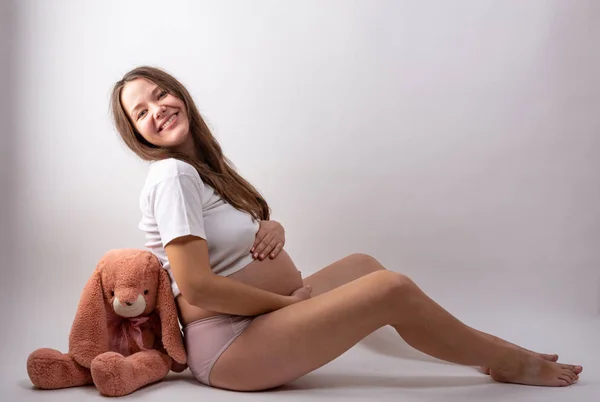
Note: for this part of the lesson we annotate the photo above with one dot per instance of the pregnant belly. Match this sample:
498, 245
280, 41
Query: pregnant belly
277, 276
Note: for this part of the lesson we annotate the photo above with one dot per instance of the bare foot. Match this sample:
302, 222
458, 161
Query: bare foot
486, 370
527, 369
550, 358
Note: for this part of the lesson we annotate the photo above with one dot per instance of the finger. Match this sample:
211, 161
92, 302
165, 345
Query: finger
270, 247
262, 245
276, 250
260, 235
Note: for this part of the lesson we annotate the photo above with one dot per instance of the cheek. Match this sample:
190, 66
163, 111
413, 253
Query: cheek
145, 128
186, 122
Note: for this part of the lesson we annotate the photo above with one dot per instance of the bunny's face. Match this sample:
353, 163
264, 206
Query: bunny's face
130, 284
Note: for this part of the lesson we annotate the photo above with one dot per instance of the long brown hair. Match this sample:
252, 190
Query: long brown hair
213, 167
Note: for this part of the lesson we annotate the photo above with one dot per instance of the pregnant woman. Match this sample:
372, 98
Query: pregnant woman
250, 321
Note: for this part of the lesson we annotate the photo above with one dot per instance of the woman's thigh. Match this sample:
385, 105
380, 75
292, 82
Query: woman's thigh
290, 342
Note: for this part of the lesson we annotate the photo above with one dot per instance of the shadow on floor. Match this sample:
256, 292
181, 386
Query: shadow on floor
332, 381
348, 381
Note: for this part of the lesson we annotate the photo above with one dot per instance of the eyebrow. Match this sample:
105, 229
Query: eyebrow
156, 88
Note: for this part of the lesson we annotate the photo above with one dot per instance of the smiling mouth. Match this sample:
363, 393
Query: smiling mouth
168, 122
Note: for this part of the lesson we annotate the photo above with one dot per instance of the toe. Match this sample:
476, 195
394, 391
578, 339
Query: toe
563, 382
566, 377
549, 357
570, 374
573, 368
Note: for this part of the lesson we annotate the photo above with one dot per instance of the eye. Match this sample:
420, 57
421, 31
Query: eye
112, 293
140, 114
146, 291
162, 94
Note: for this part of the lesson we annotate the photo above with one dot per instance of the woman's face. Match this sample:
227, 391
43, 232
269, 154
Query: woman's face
158, 116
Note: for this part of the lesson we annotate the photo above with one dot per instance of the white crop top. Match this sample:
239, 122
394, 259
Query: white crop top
176, 202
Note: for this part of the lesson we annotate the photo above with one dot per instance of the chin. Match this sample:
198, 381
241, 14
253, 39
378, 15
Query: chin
175, 140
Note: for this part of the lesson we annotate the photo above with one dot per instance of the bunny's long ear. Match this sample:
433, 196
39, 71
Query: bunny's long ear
171, 334
89, 333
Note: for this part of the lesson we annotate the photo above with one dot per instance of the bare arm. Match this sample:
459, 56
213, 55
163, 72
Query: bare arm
189, 261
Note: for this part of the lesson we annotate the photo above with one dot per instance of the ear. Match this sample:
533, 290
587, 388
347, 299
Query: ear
165, 304
89, 333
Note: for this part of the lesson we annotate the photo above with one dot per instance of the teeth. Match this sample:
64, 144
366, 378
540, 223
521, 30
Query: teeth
167, 123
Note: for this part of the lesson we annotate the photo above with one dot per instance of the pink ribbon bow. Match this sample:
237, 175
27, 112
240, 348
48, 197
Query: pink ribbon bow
118, 329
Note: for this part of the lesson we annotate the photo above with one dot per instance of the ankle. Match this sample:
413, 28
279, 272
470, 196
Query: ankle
506, 356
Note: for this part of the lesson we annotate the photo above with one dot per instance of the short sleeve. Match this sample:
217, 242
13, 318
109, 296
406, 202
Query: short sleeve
177, 207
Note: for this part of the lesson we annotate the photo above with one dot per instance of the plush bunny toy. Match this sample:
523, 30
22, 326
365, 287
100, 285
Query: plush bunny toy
125, 333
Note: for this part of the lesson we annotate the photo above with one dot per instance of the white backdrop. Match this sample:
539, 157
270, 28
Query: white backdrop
8, 181
457, 142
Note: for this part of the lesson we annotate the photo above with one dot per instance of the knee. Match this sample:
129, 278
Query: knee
396, 284
366, 260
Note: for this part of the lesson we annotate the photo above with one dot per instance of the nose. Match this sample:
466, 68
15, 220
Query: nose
127, 297
160, 111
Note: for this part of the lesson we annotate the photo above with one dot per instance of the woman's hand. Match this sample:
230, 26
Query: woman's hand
270, 240
300, 294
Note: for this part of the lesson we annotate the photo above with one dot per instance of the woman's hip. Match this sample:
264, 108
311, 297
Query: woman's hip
206, 339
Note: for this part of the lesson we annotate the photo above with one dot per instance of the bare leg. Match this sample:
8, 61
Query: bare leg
288, 343
358, 265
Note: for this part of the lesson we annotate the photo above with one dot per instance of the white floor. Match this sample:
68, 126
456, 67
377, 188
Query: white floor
381, 368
